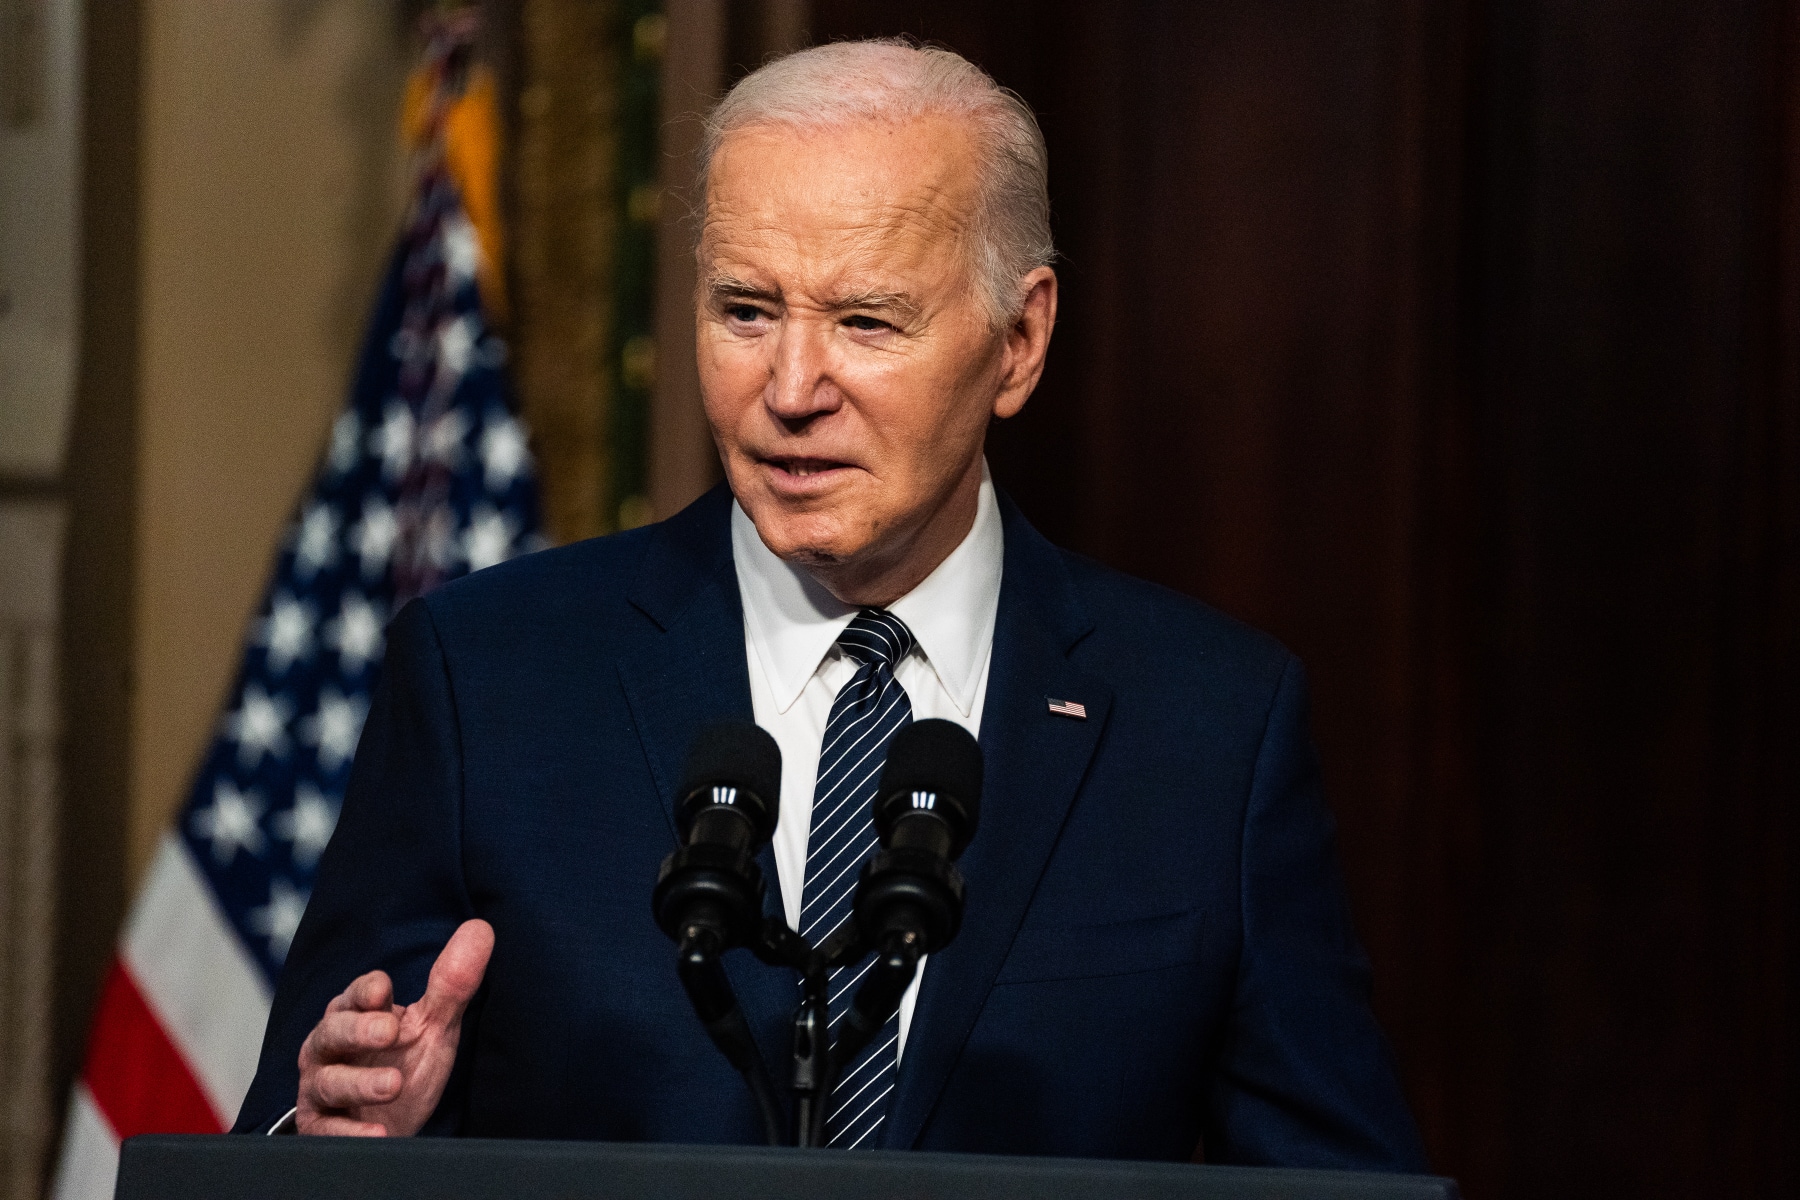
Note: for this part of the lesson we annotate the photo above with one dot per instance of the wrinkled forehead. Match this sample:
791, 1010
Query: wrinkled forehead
901, 190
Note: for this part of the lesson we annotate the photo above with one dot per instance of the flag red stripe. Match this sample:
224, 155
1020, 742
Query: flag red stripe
138, 1078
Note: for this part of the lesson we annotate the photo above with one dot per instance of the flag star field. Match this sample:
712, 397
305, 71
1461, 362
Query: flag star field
427, 475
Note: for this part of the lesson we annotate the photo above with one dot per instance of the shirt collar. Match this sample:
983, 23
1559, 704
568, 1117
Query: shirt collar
793, 622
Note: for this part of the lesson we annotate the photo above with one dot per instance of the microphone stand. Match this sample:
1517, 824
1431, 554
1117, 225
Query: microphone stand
810, 1071
817, 1062
709, 990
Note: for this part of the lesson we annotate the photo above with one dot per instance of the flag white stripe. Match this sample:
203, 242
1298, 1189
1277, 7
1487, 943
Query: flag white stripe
197, 977
90, 1152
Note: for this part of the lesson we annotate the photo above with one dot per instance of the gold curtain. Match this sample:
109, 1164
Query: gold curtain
604, 361
565, 230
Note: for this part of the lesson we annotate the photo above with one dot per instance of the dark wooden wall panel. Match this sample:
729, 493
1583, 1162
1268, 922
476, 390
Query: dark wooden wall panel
1624, 292
1455, 344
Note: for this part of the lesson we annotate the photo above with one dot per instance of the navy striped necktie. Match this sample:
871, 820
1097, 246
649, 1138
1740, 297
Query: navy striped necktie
868, 711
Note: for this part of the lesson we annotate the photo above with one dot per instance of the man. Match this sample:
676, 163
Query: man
1156, 950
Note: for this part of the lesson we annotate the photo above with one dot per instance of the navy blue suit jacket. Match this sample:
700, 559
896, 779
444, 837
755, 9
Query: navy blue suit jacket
1157, 947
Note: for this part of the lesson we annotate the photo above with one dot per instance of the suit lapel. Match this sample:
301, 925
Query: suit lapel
687, 670
1034, 763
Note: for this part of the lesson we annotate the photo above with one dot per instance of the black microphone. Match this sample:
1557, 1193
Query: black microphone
709, 892
726, 811
925, 814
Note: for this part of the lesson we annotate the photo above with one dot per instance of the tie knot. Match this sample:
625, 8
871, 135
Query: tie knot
876, 636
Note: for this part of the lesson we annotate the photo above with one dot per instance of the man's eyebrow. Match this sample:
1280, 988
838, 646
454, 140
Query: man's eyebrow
728, 287
898, 302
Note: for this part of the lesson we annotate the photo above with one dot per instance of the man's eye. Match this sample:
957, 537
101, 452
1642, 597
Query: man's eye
865, 324
743, 312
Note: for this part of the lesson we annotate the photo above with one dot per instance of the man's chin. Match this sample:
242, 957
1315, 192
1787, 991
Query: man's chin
809, 539
814, 558
806, 549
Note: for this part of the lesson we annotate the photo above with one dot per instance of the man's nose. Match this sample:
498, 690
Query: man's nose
800, 384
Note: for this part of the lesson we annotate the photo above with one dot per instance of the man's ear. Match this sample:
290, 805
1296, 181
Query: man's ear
1027, 342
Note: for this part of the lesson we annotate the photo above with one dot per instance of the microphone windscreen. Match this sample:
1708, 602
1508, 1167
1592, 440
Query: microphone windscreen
742, 755
936, 756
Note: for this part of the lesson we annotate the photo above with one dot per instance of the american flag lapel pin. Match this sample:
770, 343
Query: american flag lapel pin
1068, 708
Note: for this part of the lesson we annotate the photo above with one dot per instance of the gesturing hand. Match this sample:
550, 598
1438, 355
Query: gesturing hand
373, 1068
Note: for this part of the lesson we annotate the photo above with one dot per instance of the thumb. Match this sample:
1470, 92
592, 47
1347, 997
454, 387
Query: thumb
457, 973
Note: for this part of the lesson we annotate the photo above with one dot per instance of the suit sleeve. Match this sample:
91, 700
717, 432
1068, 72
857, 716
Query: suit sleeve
1305, 1077
390, 889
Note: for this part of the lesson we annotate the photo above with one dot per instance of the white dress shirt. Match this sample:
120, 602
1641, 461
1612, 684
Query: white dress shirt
791, 627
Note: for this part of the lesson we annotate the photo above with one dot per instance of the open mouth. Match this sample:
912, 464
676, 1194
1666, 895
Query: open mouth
800, 471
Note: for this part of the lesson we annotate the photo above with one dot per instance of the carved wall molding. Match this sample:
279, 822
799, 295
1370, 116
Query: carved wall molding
31, 534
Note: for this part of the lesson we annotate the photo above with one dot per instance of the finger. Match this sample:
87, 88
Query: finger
366, 993
341, 1127
457, 973
339, 1085
343, 1035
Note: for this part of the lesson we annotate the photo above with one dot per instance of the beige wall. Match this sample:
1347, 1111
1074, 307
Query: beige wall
271, 186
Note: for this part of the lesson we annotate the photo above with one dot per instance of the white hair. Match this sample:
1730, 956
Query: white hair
893, 79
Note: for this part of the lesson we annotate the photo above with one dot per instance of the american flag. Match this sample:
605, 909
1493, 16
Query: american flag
1069, 708
427, 476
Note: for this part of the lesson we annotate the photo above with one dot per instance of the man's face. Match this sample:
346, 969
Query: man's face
848, 366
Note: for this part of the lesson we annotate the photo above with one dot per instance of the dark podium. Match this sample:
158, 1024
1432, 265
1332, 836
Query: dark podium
225, 1167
